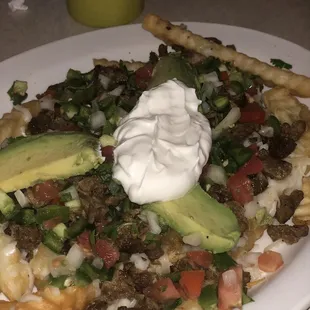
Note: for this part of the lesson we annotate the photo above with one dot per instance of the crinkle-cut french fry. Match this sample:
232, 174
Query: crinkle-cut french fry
171, 34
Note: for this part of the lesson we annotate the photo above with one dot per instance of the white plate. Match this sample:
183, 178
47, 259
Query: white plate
288, 290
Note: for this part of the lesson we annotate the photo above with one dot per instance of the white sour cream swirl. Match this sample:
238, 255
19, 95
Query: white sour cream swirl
163, 144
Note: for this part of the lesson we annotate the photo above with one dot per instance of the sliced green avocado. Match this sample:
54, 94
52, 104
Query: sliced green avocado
38, 158
173, 67
208, 298
199, 212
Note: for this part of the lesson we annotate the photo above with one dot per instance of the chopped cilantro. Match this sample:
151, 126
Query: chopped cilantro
223, 261
280, 64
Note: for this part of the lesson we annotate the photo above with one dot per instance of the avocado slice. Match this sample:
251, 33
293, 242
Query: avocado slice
38, 158
208, 298
173, 67
199, 212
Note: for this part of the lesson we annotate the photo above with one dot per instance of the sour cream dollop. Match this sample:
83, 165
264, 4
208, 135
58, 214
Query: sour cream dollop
163, 144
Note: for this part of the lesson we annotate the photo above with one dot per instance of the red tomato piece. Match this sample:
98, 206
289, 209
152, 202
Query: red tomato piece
230, 294
253, 166
224, 76
240, 187
83, 240
270, 261
252, 113
108, 252
191, 282
143, 75
200, 258
107, 152
164, 290
45, 192
50, 224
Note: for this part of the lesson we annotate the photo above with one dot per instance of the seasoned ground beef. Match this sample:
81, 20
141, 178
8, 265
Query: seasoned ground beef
288, 205
28, 238
281, 146
289, 234
154, 251
241, 131
259, 183
294, 131
220, 193
276, 168
238, 210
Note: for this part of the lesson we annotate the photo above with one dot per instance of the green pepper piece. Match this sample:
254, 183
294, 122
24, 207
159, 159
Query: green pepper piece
77, 227
89, 270
208, 298
52, 241
25, 217
58, 281
273, 122
81, 279
240, 154
221, 103
236, 87
223, 261
53, 211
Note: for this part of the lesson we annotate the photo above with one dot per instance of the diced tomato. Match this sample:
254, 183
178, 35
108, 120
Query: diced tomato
191, 282
83, 240
143, 76
107, 152
252, 113
181, 291
200, 258
224, 76
108, 252
270, 261
46, 192
253, 166
50, 224
164, 290
240, 187
230, 289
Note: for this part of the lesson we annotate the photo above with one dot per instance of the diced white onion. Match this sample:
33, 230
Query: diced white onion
140, 260
152, 219
249, 259
218, 84
47, 103
72, 191
189, 248
104, 81
217, 174
273, 245
165, 265
193, 239
229, 278
209, 77
117, 91
97, 120
97, 262
62, 269
30, 297
231, 118
75, 256
96, 285
250, 209
123, 302
266, 131
21, 198
26, 113
223, 68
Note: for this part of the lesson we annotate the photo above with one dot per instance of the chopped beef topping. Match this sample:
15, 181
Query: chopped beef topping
288, 205
28, 238
289, 234
259, 183
97, 304
241, 131
281, 146
154, 251
220, 193
238, 210
295, 131
276, 168
162, 50
41, 123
